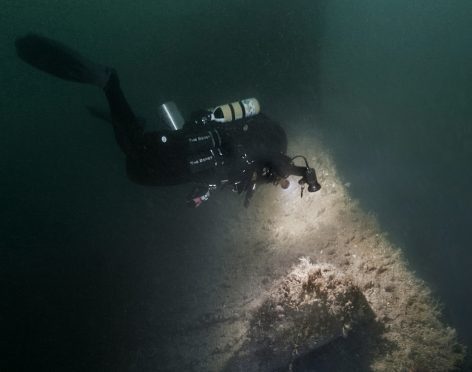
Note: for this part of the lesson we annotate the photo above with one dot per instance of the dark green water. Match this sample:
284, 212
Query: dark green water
397, 91
387, 84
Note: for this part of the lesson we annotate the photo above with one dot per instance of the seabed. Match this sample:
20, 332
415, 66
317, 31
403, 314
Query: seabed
306, 284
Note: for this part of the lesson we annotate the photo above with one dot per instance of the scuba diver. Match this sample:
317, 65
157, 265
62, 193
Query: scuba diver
232, 145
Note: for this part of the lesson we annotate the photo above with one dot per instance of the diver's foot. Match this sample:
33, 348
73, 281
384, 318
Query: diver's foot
61, 61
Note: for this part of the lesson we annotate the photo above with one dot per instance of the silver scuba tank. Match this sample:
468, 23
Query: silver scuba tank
171, 116
235, 110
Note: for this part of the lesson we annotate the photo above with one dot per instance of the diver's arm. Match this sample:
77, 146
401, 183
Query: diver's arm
284, 167
295, 170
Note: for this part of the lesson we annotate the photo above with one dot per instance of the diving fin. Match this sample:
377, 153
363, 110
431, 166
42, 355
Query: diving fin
61, 61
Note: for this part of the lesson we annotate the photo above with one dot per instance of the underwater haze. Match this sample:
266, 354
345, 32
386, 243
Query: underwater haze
396, 111
85, 254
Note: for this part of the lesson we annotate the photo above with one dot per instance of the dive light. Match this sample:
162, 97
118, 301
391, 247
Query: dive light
310, 179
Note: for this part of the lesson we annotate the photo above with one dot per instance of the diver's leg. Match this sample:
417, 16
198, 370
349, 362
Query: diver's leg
65, 63
128, 131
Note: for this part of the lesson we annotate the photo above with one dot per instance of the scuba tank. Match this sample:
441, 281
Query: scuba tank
171, 116
205, 146
235, 110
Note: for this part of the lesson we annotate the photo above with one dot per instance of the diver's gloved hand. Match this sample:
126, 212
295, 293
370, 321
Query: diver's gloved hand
198, 196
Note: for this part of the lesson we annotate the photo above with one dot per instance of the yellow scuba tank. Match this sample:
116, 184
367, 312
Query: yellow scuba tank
235, 110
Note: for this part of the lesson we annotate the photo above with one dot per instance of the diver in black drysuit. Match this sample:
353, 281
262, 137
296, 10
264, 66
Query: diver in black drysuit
212, 155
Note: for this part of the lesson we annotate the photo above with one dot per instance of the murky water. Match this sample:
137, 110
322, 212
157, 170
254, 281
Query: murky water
386, 86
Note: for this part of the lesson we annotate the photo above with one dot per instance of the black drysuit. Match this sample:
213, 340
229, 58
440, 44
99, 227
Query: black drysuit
168, 157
